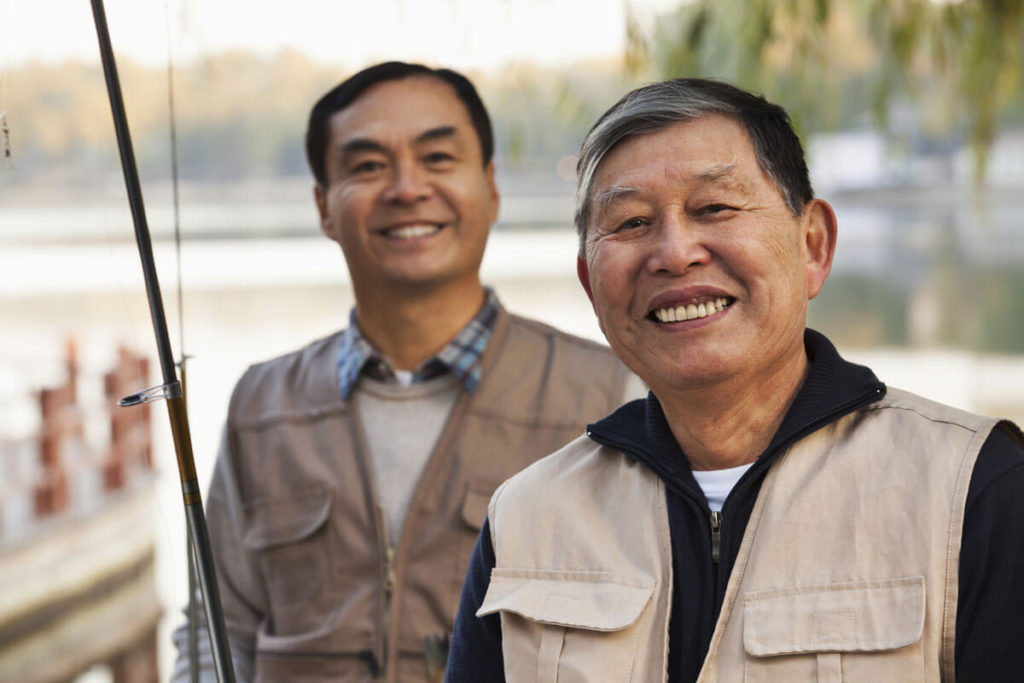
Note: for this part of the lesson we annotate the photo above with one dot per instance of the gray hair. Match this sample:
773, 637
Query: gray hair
653, 107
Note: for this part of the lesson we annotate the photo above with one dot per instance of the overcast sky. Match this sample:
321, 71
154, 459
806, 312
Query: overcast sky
465, 34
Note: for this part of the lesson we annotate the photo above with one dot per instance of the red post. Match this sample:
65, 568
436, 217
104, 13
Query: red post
60, 419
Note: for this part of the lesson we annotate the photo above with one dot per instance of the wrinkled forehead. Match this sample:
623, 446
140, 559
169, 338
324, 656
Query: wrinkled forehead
723, 174
712, 149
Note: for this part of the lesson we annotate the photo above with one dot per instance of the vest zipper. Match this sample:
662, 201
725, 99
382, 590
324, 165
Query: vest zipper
389, 588
389, 579
716, 535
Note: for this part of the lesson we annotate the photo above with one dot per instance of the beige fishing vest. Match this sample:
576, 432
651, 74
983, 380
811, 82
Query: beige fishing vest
847, 570
297, 530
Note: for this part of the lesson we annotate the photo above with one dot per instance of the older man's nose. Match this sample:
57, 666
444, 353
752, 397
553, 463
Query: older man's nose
678, 244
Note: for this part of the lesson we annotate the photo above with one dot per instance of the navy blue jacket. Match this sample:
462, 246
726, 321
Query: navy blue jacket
990, 616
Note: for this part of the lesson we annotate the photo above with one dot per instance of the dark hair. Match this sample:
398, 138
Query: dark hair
653, 107
345, 93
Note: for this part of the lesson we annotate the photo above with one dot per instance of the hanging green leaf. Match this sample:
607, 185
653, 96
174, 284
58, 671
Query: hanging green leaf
828, 60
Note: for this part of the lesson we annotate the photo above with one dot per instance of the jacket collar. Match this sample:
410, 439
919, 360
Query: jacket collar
833, 388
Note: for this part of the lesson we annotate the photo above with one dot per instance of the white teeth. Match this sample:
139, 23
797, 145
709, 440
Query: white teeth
691, 311
412, 231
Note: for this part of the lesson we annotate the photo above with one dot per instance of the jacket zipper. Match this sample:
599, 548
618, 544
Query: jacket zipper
716, 535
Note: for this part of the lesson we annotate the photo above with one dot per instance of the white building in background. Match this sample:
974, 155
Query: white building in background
848, 160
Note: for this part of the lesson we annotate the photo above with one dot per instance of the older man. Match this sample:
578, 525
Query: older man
355, 472
771, 512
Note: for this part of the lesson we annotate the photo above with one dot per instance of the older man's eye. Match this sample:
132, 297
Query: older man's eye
712, 209
631, 223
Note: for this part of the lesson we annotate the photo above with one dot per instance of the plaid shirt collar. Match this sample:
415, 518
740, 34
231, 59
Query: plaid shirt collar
461, 356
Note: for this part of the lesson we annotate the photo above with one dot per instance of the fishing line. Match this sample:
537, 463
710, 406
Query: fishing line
175, 192
193, 612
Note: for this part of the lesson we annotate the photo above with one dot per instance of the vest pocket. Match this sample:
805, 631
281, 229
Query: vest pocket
567, 626
325, 654
289, 537
472, 513
861, 631
473, 510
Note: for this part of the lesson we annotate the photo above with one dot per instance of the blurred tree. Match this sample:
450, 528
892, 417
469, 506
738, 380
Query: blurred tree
543, 113
962, 59
238, 115
242, 115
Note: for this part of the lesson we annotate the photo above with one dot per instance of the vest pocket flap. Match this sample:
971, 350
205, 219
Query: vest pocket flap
276, 522
842, 617
597, 601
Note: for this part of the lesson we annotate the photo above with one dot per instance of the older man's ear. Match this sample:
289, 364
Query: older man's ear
820, 231
583, 273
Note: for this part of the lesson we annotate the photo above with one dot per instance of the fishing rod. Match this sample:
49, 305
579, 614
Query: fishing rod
170, 390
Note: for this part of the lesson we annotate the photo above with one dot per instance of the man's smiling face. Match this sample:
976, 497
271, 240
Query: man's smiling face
408, 196
697, 270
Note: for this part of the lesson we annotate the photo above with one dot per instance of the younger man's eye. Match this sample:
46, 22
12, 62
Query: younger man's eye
367, 166
438, 157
